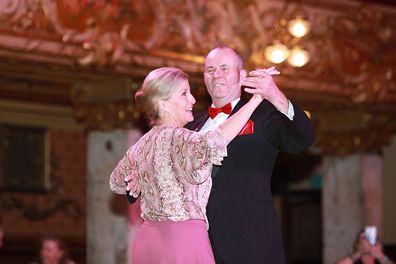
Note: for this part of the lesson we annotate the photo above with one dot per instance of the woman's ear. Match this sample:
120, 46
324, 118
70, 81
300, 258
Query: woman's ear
162, 108
162, 105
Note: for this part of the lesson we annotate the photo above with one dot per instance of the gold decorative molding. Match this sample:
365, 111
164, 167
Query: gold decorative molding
371, 138
107, 115
41, 115
352, 45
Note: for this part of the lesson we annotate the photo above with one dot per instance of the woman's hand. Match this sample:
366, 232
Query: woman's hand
132, 186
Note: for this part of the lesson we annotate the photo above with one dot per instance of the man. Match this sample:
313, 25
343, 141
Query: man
243, 226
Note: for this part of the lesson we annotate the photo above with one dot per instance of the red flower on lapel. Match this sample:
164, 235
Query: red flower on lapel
248, 129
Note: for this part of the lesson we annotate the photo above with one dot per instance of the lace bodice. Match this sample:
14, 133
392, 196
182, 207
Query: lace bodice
171, 167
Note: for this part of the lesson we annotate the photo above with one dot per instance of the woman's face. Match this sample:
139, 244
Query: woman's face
50, 252
178, 108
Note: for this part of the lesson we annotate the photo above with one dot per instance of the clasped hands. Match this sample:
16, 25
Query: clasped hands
260, 82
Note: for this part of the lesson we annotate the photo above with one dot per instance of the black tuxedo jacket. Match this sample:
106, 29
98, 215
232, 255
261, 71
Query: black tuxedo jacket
243, 225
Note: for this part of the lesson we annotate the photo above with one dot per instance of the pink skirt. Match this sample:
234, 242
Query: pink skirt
165, 242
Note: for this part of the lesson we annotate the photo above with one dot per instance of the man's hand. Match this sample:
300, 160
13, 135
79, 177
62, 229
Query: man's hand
260, 82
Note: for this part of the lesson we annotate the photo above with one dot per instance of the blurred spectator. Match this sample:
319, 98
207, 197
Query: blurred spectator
366, 253
53, 251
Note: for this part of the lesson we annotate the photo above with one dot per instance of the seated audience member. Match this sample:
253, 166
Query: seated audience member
53, 251
365, 253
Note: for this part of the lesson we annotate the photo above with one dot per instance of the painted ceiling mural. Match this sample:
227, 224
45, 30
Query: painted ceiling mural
352, 49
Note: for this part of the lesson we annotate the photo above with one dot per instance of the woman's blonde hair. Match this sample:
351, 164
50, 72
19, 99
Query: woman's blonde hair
159, 84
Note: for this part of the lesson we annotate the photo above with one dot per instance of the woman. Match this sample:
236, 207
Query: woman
170, 167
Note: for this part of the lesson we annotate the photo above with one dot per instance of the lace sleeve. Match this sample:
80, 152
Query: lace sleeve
124, 170
193, 154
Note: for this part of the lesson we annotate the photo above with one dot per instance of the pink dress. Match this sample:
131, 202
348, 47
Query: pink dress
171, 168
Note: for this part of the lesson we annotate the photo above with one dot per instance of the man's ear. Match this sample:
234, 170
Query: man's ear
242, 75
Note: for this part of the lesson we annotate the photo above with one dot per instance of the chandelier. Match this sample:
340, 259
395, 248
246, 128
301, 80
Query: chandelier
288, 34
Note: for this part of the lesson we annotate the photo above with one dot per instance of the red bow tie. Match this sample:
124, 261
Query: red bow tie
213, 112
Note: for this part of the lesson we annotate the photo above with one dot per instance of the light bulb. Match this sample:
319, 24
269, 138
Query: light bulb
276, 53
298, 57
298, 27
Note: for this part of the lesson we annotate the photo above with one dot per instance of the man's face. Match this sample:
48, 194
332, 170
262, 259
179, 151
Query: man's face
223, 76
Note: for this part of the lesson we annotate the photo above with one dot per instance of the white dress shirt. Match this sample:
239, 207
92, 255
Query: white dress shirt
212, 124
